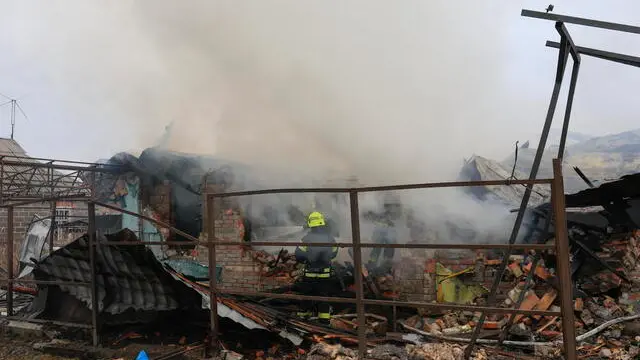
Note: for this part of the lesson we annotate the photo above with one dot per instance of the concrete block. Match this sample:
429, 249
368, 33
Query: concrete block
24, 329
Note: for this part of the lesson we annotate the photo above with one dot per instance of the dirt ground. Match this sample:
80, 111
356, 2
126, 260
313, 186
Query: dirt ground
14, 347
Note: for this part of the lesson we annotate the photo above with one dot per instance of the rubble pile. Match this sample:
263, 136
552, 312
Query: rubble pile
283, 266
606, 307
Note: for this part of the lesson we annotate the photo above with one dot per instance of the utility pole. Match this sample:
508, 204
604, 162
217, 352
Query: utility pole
13, 116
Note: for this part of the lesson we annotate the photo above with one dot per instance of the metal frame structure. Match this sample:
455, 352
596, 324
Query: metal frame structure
562, 248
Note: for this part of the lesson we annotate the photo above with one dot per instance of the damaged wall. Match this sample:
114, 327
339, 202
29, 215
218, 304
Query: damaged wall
22, 217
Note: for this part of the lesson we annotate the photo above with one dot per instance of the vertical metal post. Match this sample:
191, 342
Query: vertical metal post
357, 259
1, 180
54, 226
91, 212
10, 260
92, 265
567, 112
564, 272
213, 281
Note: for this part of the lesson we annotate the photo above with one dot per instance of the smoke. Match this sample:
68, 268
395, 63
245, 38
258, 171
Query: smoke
311, 91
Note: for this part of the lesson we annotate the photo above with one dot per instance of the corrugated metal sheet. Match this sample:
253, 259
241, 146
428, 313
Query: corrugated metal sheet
128, 277
34, 243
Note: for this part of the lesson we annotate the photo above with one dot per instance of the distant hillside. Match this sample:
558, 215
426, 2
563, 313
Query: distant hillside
601, 158
607, 157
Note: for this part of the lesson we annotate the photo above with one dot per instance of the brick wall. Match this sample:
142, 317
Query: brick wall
158, 199
22, 217
239, 270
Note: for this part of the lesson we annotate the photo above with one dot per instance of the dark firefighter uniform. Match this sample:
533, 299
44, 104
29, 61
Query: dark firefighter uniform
384, 232
318, 279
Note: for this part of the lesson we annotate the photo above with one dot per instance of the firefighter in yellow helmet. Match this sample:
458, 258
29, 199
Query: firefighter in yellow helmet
318, 278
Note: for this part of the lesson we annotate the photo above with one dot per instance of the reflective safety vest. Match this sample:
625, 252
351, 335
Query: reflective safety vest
318, 273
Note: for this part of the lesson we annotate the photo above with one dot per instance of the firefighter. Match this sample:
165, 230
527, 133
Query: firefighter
318, 278
384, 232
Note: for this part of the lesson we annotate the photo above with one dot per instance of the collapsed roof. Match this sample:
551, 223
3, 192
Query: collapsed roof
187, 174
479, 168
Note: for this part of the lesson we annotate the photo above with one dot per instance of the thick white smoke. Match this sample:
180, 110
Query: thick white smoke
312, 91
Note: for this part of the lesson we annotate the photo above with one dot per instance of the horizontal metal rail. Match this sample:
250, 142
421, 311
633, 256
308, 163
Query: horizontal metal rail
494, 310
28, 158
9, 202
340, 245
150, 219
384, 188
100, 168
46, 282
44, 321
601, 54
152, 243
581, 21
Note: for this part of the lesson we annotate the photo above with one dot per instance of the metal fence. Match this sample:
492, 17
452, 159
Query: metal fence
561, 246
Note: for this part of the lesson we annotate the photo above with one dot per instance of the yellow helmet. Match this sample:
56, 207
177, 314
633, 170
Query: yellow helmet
315, 219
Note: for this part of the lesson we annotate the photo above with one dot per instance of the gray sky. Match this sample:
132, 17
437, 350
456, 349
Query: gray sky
416, 84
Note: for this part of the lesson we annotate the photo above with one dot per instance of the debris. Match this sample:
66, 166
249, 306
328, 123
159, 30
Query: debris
435, 351
388, 352
450, 289
606, 353
545, 302
230, 355
26, 329
520, 329
323, 350
530, 301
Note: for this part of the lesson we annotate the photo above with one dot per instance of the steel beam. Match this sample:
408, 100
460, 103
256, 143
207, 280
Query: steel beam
428, 305
564, 266
445, 184
10, 264
567, 112
214, 325
357, 264
601, 54
150, 219
91, 229
581, 21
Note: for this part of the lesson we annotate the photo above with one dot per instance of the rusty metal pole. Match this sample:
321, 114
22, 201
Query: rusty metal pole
53, 229
564, 274
10, 261
1, 180
92, 264
213, 281
91, 212
357, 259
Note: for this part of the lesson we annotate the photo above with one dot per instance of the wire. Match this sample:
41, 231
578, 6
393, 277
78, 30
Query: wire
3, 95
22, 111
